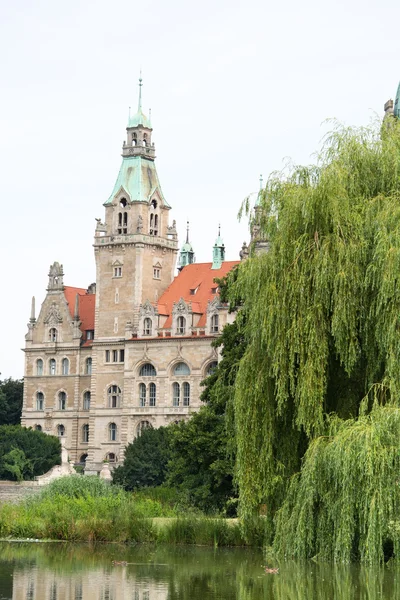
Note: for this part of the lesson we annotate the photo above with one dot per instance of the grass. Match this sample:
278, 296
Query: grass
80, 508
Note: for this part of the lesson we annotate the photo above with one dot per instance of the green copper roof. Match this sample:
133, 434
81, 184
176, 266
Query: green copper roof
139, 119
218, 251
139, 180
396, 110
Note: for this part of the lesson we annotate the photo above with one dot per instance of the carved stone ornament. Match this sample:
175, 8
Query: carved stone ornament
139, 227
213, 306
53, 317
181, 307
147, 309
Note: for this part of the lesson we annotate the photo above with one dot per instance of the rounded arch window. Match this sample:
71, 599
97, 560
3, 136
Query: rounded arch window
62, 400
86, 400
147, 370
123, 202
186, 393
152, 394
65, 366
60, 430
154, 203
181, 369
114, 396
53, 334
214, 323
85, 433
88, 366
39, 401
52, 366
211, 368
83, 458
111, 457
142, 426
39, 366
112, 432
176, 394
147, 326
142, 394
38, 428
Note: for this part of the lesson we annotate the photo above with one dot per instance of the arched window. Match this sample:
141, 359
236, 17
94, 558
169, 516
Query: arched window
142, 426
176, 393
147, 370
212, 367
62, 401
112, 432
181, 325
38, 428
119, 219
114, 396
60, 430
39, 401
52, 366
181, 369
186, 393
83, 458
152, 394
111, 457
53, 334
214, 324
86, 400
39, 367
155, 224
85, 434
142, 394
88, 366
65, 366
123, 202
147, 326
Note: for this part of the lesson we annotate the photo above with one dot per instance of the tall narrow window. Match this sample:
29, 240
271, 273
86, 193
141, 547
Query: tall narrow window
152, 394
112, 432
39, 401
142, 426
52, 366
147, 326
39, 367
212, 367
53, 334
114, 396
62, 401
121, 355
86, 401
115, 355
181, 325
155, 224
125, 223
186, 393
108, 355
142, 394
214, 324
85, 434
119, 229
60, 430
176, 393
88, 366
65, 366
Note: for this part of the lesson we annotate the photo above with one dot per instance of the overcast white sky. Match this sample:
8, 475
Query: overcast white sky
234, 88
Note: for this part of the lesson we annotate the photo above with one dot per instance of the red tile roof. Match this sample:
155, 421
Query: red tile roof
199, 277
86, 305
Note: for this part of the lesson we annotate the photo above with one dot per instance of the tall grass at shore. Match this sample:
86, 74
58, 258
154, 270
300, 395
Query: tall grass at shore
87, 509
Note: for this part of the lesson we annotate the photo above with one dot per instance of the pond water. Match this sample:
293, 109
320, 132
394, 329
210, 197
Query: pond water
47, 571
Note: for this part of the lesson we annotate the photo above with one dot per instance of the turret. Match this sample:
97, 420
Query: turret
186, 255
218, 251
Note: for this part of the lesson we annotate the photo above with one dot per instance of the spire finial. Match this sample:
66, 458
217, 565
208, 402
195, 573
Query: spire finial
140, 91
261, 182
187, 232
219, 229
33, 317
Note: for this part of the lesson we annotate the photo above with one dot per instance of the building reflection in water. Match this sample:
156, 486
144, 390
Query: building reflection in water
117, 583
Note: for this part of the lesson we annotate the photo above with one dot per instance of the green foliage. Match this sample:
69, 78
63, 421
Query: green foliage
11, 395
202, 450
322, 308
345, 503
146, 460
25, 453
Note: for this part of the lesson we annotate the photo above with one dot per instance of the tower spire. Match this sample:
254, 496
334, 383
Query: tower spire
187, 232
186, 255
140, 92
218, 251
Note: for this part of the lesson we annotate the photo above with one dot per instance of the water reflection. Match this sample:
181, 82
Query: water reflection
81, 572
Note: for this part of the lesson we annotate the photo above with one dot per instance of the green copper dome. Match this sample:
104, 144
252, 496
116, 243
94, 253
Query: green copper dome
139, 119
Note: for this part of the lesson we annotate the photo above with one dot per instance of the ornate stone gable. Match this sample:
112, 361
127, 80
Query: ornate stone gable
213, 306
147, 310
182, 308
53, 316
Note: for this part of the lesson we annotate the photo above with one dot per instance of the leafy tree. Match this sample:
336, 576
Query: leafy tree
322, 312
25, 453
11, 395
146, 460
203, 449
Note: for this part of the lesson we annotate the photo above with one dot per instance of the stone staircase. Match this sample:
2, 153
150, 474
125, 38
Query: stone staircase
11, 491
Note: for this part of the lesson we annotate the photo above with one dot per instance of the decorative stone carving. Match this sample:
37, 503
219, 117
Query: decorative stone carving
139, 227
53, 317
147, 310
181, 307
213, 306
56, 277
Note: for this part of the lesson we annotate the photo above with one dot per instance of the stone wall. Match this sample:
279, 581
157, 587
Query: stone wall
11, 491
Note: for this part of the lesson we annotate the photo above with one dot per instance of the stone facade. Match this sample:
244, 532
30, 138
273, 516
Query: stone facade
130, 351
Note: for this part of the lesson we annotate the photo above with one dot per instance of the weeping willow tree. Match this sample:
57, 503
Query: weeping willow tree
322, 328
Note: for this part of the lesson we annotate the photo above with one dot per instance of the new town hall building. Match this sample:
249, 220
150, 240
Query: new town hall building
129, 352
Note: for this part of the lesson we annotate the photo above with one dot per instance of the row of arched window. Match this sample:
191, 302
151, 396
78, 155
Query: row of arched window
65, 366
62, 400
181, 327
